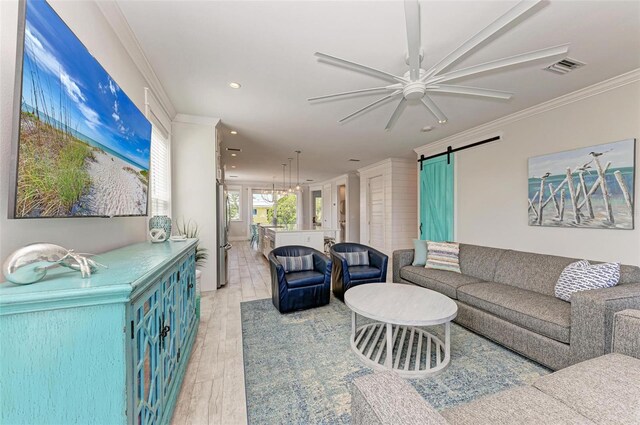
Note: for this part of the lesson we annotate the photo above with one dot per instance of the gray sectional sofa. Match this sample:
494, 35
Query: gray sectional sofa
508, 296
604, 390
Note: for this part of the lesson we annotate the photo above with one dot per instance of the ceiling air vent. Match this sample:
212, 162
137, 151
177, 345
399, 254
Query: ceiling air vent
564, 66
354, 160
234, 149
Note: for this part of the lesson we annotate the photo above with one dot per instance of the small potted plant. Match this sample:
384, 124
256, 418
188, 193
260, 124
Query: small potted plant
190, 230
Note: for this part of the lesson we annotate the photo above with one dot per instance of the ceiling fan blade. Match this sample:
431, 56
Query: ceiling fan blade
346, 93
412, 15
504, 20
473, 91
503, 63
433, 108
371, 105
362, 68
396, 114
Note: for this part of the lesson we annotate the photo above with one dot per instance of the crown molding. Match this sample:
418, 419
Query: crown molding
116, 19
495, 127
196, 119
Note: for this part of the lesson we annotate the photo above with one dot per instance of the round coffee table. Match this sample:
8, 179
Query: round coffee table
398, 311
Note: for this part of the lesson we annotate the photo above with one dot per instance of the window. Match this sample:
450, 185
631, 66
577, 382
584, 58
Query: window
262, 201
233, 204
160, 175
286, 209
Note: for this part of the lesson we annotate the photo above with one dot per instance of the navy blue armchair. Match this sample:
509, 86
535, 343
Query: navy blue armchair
299, 290
344, 276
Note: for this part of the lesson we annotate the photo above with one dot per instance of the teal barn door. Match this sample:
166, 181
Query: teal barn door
436, 199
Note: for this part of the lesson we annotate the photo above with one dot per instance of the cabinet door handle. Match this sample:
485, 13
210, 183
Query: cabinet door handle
165, 331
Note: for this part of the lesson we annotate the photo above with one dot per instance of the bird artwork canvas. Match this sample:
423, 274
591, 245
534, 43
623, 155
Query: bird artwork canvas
590, 187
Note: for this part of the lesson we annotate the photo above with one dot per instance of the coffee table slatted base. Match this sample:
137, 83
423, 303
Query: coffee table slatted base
416, 352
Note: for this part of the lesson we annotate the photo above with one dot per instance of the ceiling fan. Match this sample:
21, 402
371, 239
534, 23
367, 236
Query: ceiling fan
417, 83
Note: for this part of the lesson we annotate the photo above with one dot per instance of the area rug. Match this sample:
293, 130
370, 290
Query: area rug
299, 366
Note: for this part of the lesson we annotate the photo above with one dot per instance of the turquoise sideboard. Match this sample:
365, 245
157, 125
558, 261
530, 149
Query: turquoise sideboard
109, 349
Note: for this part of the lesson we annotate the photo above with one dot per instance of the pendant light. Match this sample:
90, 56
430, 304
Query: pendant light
290, 189
298, 188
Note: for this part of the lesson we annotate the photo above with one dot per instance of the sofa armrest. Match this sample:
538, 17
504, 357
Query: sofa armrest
626, 333
592, 318
401, 258
386, 399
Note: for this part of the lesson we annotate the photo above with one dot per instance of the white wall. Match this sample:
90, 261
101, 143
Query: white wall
400, 203
83, 234
492, 179
193, 189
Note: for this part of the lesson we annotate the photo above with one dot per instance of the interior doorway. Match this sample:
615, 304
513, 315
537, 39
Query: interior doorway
316, 208
342, 213
327, 216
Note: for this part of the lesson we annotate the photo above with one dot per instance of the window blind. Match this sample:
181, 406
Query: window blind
160, 175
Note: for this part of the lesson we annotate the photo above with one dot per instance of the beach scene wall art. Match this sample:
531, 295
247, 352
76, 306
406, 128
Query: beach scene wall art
591, 187
83, 145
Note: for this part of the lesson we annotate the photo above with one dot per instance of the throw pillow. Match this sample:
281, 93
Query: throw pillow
443, 256
582, 276
356, 258
419, 252
296, 264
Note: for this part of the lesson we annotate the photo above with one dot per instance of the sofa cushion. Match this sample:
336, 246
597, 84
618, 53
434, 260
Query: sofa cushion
546, 315
306, 278
443, 256
438, 280
479, 261
363, 272
355, 258
296, 264
419, 252
522, 405
582, 276
605, 389
535, 272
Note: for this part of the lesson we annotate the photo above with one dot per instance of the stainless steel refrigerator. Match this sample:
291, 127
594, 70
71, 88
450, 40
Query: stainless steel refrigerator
222, 245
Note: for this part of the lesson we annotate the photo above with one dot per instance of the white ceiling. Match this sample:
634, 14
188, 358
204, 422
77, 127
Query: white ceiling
197, 47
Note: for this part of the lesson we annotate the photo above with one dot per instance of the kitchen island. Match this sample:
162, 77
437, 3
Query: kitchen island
275, 236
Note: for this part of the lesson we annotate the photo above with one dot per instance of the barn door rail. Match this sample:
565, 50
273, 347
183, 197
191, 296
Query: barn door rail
449, 150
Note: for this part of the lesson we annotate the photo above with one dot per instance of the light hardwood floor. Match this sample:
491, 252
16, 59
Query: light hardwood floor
213, 388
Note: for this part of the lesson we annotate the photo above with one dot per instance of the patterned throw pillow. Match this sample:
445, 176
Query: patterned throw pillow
582, 276
443, 256
296, 264
356, 258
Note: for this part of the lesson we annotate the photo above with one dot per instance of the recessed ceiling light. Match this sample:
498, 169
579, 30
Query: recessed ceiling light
233, 132
426, 128
233, 166
234, 154
234, 85
442, 121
